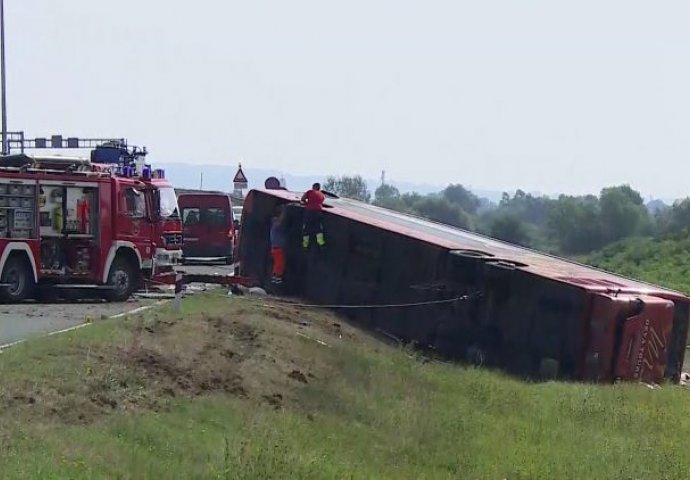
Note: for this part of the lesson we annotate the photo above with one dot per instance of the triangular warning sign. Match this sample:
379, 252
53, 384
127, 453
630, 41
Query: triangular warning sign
239, 176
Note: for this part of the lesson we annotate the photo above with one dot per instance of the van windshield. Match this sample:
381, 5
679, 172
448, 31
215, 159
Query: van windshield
168, 206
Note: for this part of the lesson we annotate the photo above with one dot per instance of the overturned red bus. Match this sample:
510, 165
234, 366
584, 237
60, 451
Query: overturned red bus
529, 313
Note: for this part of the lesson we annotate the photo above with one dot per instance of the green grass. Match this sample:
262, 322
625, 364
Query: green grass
662, 261
367, 410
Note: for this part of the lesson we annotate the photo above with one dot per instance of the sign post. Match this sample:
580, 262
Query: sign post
3, 97
177, 302
240, 182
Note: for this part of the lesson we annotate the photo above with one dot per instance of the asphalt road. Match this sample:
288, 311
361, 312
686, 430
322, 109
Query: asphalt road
18, 322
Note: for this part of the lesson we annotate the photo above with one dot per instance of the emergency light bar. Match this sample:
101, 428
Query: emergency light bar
147, 173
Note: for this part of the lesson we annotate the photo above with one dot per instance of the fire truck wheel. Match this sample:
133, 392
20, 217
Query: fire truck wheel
17, 274
122, 279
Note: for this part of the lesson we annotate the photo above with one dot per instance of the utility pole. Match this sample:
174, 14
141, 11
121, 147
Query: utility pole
3, 98
201, 180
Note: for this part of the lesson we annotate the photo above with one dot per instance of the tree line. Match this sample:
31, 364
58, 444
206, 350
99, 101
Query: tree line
568, 224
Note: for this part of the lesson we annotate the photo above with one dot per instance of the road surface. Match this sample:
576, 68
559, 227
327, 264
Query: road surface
18, 322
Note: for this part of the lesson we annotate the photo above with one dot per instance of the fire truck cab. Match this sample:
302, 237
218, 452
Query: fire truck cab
106, 224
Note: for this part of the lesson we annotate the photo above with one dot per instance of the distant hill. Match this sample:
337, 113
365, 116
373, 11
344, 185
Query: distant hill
219, 177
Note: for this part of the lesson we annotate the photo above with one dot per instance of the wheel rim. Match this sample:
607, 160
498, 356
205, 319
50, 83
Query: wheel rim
121, 281
15, 280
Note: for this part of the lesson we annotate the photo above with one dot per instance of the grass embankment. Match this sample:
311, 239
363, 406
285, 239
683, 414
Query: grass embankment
662, 261
243, 388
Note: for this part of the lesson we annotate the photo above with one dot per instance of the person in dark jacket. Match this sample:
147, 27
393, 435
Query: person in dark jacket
313, 205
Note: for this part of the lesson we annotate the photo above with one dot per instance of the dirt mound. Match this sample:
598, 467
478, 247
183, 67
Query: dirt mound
297, 375
176, 378
250, 351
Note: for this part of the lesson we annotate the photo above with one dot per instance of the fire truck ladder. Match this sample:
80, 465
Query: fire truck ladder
18, 141
103, 150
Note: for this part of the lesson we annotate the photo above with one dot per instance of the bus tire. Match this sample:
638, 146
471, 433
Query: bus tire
17, 272
122, 280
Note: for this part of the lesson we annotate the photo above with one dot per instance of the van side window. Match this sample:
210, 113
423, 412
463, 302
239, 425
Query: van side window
190, 216
214, 217
134, 203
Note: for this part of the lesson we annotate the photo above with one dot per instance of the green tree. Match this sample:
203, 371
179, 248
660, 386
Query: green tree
354, 187
623, 213
675, 219
386, 192
526, 207
510, 229
456, 193
388, 196
441, 210
575, 224
410, 200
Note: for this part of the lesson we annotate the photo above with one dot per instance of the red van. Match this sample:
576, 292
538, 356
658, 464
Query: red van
208, 226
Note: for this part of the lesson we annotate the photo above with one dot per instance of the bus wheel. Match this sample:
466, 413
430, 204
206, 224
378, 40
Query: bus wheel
121, 280
18, 280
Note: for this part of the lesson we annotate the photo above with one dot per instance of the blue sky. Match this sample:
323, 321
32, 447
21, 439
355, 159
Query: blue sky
543, 95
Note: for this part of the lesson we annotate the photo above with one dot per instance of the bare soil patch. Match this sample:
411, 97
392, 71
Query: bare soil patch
250, 349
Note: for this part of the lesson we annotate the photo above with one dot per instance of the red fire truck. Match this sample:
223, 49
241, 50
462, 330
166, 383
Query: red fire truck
106, 224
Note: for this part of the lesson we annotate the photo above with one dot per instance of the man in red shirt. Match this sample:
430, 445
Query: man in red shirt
313, 204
